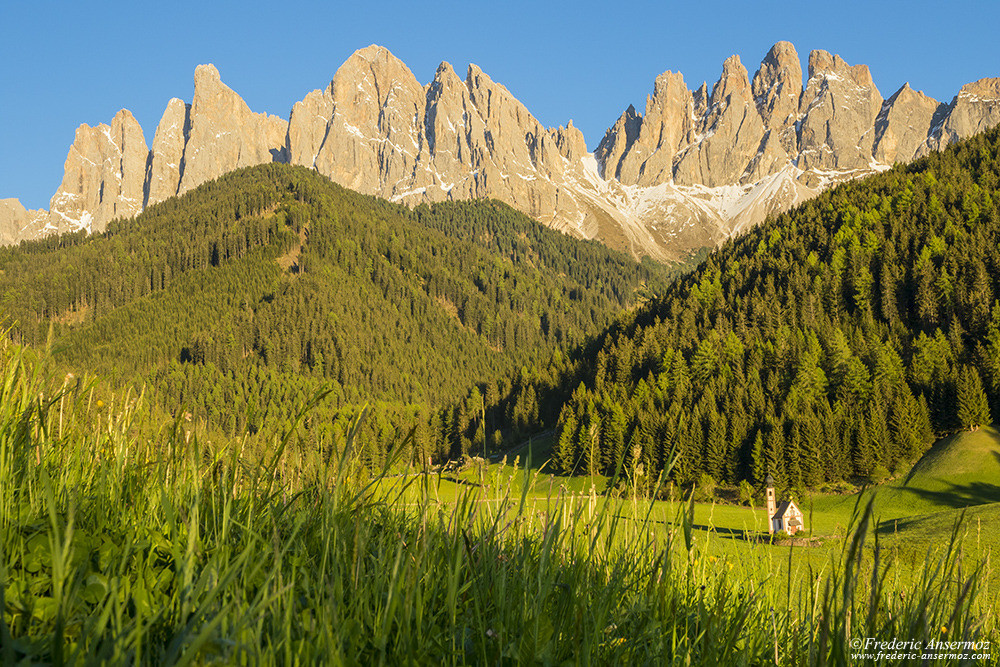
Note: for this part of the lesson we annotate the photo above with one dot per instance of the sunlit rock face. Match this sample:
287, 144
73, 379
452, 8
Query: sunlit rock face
692, 169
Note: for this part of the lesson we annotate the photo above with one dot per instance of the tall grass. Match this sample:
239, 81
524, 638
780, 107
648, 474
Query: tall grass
124, 543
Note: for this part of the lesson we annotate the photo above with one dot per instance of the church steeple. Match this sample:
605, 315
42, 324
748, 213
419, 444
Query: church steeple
771, 505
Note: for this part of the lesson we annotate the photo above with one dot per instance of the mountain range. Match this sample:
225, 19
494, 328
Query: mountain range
695, 168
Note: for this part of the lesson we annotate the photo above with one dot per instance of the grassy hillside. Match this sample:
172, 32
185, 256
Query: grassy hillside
974, 456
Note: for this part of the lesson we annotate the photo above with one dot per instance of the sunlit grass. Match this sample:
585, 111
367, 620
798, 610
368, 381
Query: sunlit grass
122, 541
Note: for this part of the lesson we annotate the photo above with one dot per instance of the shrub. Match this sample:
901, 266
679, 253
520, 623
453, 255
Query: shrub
746, 493
705, 489
878, 475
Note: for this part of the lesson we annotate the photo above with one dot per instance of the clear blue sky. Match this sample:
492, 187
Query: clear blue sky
67, 63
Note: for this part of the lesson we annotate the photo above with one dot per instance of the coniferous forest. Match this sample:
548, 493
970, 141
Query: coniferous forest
834, 342
238, 301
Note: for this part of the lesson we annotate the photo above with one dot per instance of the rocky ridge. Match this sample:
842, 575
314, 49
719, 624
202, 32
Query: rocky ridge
693, 169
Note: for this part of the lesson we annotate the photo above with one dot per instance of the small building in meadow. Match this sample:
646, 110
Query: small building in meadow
785, 516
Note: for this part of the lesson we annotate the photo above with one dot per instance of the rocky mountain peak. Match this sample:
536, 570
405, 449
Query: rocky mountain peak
103, 176
722, 142
777, 85
494, 101
903, 124
17, 223
983, 90
667, 85
691, 170
571, 143
838, 111
373, 127
974, 109
444, 70
734, 82
824, 64
163, 175
224, 134
373, 68
700, 97
206, 75
617, 141
661, 131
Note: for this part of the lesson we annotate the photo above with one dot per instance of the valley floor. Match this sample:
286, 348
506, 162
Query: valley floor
953, 492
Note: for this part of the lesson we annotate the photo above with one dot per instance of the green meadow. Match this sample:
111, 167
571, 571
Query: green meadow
129, 538
955, 486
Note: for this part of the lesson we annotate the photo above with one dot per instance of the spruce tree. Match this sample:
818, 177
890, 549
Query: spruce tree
566, 451
758, 464
973, 408
715, 445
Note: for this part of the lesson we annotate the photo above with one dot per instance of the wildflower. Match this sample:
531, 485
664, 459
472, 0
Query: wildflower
944, 629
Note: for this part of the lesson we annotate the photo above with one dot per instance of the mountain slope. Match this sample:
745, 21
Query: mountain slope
273, 281
696, 168
833, 342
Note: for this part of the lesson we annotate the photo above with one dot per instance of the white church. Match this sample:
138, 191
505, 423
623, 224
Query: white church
785, 516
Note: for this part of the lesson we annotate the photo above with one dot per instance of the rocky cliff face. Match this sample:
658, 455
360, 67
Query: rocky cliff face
223, 134
974, 109
693, 169
103, 176
16, 222
904, 125
111, 173
163, 178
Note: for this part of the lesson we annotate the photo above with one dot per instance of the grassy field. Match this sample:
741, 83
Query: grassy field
124, 540
956, 483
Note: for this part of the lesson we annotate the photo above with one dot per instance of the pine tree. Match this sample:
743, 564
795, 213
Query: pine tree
863, 454
566, 452
793, 454
774, 453
811, 462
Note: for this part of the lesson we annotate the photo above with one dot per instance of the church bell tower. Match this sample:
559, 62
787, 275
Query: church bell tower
771, 505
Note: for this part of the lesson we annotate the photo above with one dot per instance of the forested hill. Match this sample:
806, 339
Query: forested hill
835, 341
271, 281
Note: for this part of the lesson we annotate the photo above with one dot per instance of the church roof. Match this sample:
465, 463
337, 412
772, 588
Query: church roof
789, 507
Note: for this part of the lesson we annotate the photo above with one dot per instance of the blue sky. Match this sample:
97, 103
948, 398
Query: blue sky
67, 63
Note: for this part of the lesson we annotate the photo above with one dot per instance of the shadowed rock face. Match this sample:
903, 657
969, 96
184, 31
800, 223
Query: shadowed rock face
691, 170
